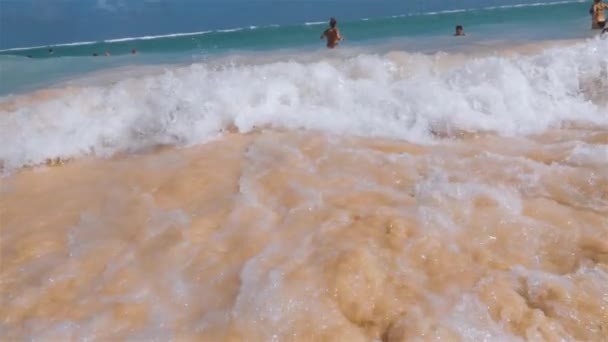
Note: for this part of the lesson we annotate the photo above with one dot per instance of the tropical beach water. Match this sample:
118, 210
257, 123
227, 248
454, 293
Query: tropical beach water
293, 26
409, 185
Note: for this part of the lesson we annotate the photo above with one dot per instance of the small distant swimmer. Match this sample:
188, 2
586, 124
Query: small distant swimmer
51, 51
459, 31
332, 34
95, 54
134, 52
107, 54
598, 19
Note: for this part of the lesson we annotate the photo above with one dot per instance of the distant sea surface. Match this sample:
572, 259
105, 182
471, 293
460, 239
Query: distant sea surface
168, 32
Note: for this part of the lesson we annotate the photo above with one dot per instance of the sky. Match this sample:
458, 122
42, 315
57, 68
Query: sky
25, 23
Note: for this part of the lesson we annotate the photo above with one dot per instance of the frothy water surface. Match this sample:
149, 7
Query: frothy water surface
307, 236
395, 95
390, 196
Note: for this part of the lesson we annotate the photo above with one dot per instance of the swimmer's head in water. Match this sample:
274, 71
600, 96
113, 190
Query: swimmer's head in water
333, 22
459, 30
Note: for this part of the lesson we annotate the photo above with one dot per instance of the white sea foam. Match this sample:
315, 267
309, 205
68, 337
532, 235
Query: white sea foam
536, 4
398, 95
231, 30
117, 40
157, 37
313, 23
128, 39
448, 11
490, 8
49, 45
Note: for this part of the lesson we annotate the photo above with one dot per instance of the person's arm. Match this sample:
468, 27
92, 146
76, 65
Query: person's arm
324, 34
339, 35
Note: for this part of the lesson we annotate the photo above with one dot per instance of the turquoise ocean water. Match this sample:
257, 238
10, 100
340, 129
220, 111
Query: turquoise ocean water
192, 31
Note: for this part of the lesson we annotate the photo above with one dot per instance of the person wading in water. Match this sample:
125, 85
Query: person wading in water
332, 34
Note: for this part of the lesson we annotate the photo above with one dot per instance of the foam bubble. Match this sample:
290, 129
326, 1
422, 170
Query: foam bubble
587, 154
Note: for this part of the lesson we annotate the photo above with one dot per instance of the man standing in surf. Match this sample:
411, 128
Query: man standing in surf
332, 34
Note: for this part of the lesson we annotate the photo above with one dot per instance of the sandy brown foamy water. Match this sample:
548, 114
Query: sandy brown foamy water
305, 236
357, 196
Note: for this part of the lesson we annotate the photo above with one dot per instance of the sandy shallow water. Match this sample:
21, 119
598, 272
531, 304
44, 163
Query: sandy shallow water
300, 235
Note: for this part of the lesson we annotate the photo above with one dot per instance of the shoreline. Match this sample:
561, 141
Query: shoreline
390, 95
389, 49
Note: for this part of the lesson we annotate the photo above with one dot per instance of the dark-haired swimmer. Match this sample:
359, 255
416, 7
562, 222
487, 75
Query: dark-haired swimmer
332, 34
459, 31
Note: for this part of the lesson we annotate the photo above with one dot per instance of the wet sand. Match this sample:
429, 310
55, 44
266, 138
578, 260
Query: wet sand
302, 236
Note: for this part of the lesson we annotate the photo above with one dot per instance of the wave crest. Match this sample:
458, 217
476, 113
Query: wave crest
398, 95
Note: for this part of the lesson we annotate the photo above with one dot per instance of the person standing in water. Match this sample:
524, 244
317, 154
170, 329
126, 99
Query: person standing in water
332, 34
598, 19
